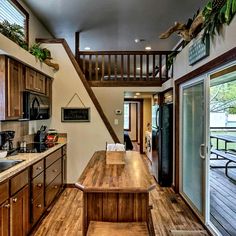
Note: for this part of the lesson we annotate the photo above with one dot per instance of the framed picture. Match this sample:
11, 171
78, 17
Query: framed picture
75, 114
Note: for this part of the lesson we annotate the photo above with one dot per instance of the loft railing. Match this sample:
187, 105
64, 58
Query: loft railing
125, 66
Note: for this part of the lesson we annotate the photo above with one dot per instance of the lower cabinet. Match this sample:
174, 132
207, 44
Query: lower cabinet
19, 213
4, 218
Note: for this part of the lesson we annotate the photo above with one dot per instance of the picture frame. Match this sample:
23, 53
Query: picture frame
75, 114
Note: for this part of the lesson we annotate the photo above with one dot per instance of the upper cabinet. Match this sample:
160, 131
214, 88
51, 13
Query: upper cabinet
11, 89
15, 78
35, 81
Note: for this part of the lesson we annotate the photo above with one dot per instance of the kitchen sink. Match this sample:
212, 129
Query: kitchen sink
6, 164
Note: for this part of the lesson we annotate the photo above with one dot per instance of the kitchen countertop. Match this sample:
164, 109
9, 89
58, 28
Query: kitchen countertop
131, 177
29, 159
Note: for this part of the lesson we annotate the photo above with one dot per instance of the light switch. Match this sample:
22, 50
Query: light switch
116, 121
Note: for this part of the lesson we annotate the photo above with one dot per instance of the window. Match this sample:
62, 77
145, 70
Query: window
13, 12
127, 116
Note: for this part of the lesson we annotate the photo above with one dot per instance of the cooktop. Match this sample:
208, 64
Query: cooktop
36, 147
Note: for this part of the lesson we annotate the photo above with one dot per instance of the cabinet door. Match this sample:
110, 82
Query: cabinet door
4, 219
14, 90
30, 77
40, 83
19, 215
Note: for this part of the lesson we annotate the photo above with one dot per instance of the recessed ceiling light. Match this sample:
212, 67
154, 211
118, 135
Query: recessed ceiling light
138, 68
87, 48
148, 48
137, 40
137, 94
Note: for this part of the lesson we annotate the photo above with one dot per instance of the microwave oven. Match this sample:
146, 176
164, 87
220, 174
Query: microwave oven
36, 107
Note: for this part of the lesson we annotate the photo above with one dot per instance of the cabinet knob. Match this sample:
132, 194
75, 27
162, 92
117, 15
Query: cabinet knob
39, 205
39, 185
14, 199
55, 186
54, 170
7, 205
39, 168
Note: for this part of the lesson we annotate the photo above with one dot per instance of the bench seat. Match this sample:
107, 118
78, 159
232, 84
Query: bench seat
117, 229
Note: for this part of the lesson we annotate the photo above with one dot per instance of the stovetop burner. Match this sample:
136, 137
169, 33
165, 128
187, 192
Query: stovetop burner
36, 147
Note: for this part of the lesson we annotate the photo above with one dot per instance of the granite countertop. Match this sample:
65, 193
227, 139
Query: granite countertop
29, 159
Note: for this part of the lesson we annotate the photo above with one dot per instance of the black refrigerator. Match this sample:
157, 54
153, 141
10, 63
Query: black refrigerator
162, 143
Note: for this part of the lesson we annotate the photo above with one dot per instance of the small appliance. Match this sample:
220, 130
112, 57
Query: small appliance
41, 134
6, 142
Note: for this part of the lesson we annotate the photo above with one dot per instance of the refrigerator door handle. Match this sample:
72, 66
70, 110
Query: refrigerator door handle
202, 151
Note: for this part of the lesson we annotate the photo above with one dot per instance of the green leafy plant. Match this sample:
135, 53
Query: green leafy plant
40, 53
14, 32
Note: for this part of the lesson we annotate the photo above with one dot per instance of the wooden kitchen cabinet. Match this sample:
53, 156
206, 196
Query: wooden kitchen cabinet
4, 218
11, 89
35, 81
19, 213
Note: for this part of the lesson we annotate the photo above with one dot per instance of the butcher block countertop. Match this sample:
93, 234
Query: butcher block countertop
131, 177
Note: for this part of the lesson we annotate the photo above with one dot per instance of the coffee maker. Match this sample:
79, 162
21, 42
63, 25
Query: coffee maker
6, 141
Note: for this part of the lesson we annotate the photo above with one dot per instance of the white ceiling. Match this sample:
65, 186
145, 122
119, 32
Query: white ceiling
114, 24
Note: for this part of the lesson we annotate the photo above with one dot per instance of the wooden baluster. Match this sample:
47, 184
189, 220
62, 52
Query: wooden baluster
109, 67
122, 67
115, 67
97, 68
128, 67
90, 67
84, 67
147, 68
160, 67
134, 67
103, 63
166, 66
153, 66
141, 67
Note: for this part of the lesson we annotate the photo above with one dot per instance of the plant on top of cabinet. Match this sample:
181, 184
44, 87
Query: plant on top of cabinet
43, 55
14, 32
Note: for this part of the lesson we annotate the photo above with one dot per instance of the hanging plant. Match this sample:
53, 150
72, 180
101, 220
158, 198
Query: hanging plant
43, 55
14, 32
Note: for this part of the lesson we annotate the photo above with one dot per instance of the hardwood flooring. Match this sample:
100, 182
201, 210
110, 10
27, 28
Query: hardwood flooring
171, 216
222, 200
136, 147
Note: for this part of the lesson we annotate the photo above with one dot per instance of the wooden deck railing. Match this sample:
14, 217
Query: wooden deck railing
123, 67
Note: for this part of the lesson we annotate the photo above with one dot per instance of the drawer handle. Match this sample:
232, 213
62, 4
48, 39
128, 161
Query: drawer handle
39, 168
54, 170
7, 205
14, 199
39, 185
56, 187
39, 205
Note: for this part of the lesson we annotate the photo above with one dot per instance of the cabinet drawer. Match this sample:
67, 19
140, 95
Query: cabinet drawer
19, 181
53, 157
37, 208
37, 168
53, 189
4, 191
37, 185
53, 171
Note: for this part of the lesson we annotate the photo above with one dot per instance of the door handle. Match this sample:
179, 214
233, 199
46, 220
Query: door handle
202, 151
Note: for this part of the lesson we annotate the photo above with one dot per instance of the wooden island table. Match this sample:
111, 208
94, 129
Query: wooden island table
116, 193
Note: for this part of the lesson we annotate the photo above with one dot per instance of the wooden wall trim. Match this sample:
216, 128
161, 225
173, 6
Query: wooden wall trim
85, 83
216, 62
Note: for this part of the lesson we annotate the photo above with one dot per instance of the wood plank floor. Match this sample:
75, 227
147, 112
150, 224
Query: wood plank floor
171, 216
223, 199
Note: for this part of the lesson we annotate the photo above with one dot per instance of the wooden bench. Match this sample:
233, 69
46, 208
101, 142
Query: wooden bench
228, 156
117, 229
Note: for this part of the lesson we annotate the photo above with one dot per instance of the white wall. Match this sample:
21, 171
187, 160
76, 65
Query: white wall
220, 44
83, 138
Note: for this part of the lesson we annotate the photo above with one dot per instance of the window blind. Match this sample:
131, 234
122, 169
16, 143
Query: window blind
10, 12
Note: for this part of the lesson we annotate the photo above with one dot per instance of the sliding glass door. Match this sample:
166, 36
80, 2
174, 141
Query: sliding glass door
193, 140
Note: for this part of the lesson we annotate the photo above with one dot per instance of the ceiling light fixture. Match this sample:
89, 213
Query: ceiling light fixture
87, 48
138, 68
137, 94
148, 48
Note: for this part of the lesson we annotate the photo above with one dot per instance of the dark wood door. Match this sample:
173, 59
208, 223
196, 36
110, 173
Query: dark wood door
30, 77
4, 219
19, 215
40, 83
14, 90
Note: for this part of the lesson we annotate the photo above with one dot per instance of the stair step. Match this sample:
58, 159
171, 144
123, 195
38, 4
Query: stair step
117, 229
